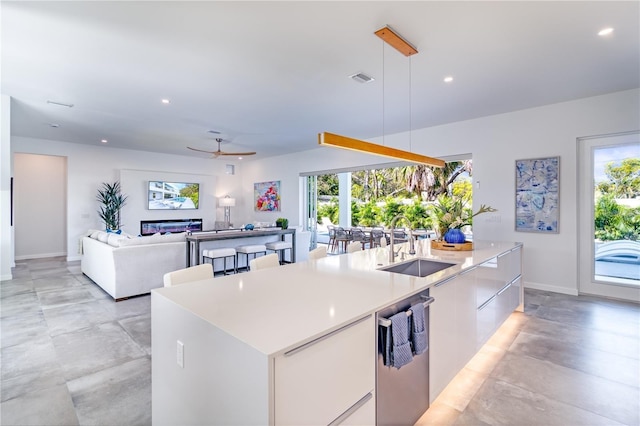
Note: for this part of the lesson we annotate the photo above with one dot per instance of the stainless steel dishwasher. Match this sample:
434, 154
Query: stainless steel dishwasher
402, 395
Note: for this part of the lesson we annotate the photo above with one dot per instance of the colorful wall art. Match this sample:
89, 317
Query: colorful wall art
537, 195
267, 196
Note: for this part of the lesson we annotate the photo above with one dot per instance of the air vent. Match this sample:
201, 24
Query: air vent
361, 78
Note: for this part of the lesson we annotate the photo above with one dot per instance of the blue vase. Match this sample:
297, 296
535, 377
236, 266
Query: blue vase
454, 236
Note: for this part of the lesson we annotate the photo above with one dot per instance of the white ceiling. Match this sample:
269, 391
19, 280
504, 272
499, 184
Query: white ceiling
271, 75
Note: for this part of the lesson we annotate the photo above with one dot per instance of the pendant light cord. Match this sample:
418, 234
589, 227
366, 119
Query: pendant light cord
383, 43
410, 115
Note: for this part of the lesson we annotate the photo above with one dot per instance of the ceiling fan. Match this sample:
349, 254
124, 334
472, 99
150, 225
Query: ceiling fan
219, 152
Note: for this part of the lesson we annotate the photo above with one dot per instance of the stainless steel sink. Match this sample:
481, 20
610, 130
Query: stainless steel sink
418, 267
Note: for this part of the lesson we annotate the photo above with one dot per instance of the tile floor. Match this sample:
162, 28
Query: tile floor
70, 355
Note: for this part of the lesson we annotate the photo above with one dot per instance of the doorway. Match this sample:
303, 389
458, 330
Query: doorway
609, 215
40, 205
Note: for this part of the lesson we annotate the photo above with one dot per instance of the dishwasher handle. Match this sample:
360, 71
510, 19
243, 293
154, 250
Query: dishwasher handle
384, 322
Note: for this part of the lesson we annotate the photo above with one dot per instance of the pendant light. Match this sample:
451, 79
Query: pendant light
337, 141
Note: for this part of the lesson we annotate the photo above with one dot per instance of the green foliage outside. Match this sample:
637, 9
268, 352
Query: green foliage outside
191, 191
379, 195
614, 221
369, 214
391, 209
329, 210
623, 180
418, 215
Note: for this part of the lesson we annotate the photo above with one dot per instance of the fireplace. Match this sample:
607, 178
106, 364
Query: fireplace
149, 227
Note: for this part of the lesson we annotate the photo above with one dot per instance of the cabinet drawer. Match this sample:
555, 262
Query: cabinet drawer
365, 415
486, 321
510, 265
319, 382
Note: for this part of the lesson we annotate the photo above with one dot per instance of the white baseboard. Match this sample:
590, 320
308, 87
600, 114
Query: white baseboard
6, 277
41, 256
75, 257
551, 288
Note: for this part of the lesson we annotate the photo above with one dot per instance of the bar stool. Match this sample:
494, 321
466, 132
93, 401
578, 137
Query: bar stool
220, 253
279, 247
253, 249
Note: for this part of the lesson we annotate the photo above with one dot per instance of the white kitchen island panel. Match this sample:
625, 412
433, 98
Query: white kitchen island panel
221, 377
234, 329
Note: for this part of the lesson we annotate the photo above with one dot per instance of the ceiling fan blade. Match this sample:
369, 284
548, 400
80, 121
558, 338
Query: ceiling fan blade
236, 153
201, 150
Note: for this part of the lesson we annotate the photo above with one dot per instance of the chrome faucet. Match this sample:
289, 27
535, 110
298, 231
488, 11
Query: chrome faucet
412, 249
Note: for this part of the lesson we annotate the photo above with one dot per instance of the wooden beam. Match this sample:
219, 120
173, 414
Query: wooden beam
337, 141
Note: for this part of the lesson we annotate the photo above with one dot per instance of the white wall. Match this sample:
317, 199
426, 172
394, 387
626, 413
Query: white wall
90, 166
135, 184
495, 142
6, 230
40, 182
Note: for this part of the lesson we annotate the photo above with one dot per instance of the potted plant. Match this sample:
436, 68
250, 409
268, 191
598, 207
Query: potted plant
112, 201
450, 214
282, 222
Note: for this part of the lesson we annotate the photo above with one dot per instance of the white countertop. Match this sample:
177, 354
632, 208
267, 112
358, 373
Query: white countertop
279, 308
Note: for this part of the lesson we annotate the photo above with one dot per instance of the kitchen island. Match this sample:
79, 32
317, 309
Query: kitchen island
297, 344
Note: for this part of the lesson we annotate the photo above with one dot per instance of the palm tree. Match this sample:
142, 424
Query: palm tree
433, 181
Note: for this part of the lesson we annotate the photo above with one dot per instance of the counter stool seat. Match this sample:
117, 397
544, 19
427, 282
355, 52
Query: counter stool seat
220, 253
279, 247
253, 249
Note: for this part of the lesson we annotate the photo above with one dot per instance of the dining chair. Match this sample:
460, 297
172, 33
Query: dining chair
399, 235
193, 273
358, 235
332, 236
318, 253
342, 238
377, 234
264, 262
354, 246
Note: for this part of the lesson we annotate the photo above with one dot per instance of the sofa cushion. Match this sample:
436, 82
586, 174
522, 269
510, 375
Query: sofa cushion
169, 238
114, 239
153, 239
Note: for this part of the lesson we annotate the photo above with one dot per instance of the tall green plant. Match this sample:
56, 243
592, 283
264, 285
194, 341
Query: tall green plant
418, 215
369, 214
112, 200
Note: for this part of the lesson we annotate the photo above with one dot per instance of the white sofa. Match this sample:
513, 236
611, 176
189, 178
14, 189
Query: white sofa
126, 266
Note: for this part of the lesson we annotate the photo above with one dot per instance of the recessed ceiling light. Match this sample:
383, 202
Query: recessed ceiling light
239, 158
54, 125
166, 101
448, 79
605, 31
104, 141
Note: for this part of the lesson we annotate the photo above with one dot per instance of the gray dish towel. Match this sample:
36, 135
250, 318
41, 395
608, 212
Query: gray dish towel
418, 331
401, 351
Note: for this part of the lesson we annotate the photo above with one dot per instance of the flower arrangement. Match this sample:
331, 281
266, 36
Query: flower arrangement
453, 213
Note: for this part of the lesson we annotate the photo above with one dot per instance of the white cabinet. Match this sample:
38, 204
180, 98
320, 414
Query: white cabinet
499, 292
467, 310
442, 337
319, 381
452, 329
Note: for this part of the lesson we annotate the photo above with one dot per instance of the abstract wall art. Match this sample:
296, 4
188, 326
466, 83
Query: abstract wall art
266, 196
537, 195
